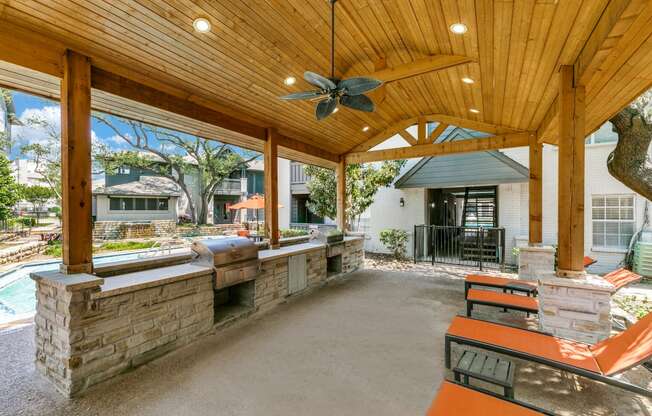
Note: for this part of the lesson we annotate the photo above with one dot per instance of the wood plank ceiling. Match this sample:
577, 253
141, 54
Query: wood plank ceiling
517, 47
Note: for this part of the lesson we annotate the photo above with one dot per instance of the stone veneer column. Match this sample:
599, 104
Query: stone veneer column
61, 310
535, 262
578, 309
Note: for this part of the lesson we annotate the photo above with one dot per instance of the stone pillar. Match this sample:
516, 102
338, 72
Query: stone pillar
62, 305
578, 309
535, 262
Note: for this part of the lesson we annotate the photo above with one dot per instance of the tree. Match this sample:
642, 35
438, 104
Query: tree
630, 162
38, 196
7, 118
9, 189
174, 156
46, 154
362, 183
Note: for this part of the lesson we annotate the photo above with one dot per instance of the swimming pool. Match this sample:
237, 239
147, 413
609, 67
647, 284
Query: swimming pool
17, 298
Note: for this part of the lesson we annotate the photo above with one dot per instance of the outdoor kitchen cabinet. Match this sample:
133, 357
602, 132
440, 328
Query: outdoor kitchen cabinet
297, 273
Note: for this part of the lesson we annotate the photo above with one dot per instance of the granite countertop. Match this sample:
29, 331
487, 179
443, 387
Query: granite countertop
130, 282
292, 250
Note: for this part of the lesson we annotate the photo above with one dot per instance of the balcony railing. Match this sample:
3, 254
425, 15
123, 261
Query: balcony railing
298, 173
229, 187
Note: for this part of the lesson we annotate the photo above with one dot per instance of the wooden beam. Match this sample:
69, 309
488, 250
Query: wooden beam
421, 136
536, 192
436, 149
570, 199
383, 135
471, 124
437, 132
341, 195
271, 189
419, 67
408, 137
76, 187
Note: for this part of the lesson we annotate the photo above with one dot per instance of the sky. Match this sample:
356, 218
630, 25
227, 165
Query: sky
29, 106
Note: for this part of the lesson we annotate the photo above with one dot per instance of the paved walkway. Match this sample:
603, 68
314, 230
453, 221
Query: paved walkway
371, 344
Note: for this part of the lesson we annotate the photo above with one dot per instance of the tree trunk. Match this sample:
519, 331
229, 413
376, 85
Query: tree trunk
629, 161
202, 218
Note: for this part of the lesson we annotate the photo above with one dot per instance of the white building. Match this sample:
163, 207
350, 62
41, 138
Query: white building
613, 212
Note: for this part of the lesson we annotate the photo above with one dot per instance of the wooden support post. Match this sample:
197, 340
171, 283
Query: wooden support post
536, 191
341, 195
271, 189
421, 130
76, 164
570, 227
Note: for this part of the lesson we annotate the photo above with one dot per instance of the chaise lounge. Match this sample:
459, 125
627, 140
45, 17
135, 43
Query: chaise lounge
455, 399
600, 362
618, 278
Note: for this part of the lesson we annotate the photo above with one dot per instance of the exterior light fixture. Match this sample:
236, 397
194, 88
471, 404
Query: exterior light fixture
402, 202
458, 28
201, 25
474, 110
365, 129
290, 81
432, 205
468, 80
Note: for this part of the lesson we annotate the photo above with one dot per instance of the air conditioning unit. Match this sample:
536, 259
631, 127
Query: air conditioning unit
643, 259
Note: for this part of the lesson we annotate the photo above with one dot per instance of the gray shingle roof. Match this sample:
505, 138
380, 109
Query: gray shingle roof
145, 186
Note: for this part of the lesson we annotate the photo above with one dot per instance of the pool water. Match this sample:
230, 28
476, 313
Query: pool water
17, 290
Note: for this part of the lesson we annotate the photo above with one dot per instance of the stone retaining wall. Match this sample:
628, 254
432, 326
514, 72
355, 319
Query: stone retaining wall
120, 230
83, 337
22, 252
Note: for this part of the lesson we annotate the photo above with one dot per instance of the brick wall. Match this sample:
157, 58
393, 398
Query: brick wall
83, 337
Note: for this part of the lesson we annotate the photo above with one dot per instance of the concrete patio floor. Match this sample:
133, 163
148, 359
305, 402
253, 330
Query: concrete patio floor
369, 344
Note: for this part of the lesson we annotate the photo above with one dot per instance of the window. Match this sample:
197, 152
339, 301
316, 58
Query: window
124, 170
138, 204
613, 220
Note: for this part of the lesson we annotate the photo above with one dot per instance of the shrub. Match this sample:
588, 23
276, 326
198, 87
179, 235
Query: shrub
24, 221
53, 249
293, 232
395, 240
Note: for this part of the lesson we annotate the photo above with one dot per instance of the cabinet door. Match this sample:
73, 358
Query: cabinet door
297, 273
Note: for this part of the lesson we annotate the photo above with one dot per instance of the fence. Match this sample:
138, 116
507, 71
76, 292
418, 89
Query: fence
465, 246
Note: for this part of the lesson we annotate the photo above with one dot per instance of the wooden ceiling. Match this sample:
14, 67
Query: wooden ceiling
239, 67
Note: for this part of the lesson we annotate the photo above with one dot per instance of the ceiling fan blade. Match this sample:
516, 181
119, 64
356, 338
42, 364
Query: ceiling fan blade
319, 81
359, 85
358, 102
305, 95
325, 108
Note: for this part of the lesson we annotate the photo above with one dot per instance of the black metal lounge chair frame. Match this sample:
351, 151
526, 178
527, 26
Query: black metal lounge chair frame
498, 396
470, 303
448, 339
511, 287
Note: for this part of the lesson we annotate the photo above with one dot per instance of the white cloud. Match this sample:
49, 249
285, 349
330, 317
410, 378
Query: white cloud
27, 134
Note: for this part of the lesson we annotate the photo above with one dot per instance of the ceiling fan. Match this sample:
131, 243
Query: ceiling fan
348, 92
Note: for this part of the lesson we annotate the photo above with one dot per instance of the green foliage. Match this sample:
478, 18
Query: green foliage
9, 190
22, 221
395, 240
292, 232
362, 183
639, 306
126, 245
53, 249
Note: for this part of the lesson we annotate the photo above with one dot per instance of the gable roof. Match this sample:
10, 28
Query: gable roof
469, 169
145, 186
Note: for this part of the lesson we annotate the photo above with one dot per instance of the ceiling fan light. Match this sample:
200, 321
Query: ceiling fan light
365, 129
289, 81
458, 28
335, 110
201, 25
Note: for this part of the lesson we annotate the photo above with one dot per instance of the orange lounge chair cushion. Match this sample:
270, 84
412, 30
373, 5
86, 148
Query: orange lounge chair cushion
481, 279
507, 299
626, 349
621, 278
454, 399
552, 348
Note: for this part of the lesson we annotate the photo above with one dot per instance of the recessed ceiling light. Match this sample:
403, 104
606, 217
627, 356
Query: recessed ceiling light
365, 129
201, 25
335, 110
458, 28
290, 81
468, 80
474, 110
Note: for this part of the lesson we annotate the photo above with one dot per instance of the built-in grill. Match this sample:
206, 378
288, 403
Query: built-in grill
334, 240
234, 259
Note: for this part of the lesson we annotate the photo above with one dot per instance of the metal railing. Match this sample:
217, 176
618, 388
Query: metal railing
228, 186
298, 173
465, 246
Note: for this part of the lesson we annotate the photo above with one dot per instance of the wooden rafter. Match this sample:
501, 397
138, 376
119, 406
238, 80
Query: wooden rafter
408, 137
437, 132
419, 67
421, 130
458, 146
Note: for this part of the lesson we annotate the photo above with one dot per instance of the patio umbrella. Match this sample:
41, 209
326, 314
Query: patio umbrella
255, 202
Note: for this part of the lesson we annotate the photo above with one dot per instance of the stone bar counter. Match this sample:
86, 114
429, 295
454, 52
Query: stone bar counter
91, 328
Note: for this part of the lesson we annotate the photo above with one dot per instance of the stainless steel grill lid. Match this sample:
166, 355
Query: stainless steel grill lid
224, 251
